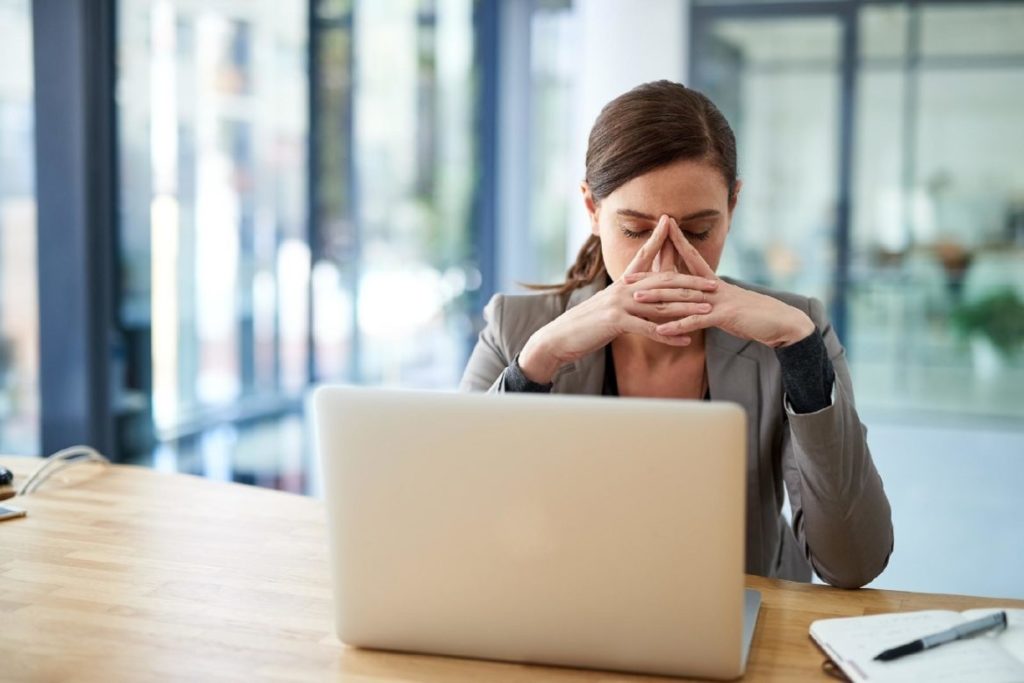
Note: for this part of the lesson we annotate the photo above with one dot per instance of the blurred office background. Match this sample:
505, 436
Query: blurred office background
208, 206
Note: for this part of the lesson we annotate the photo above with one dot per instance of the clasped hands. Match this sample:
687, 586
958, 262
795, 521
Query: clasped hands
654, 300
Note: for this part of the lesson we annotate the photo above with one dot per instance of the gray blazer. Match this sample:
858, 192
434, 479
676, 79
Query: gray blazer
842, 524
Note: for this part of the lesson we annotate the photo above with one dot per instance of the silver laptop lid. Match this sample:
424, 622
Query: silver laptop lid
579, 531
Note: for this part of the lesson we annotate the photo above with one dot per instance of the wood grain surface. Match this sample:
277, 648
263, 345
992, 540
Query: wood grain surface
125, 574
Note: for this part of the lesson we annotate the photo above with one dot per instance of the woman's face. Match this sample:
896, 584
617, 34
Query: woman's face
694, 193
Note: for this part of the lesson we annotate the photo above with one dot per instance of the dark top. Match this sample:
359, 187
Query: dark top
611, 380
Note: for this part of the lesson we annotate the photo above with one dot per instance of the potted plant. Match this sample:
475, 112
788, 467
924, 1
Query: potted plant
994, 324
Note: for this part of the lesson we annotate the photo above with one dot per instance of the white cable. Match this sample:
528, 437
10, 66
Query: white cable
47, 464
58, 461
64, 464
63, 458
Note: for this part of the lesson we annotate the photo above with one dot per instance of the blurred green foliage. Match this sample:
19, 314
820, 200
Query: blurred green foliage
998, 316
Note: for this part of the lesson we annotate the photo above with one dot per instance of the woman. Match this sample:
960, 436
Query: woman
643, 313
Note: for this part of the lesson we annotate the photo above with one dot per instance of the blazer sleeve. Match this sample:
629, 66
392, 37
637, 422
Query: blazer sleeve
841, 515
485, 370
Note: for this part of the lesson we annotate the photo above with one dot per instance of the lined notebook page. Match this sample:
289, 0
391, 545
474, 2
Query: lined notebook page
853, 643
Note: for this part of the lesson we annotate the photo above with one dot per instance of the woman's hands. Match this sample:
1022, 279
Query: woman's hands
652, 291
740, 312
616, 310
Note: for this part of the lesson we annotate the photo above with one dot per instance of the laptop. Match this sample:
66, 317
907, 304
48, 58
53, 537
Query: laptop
564, 530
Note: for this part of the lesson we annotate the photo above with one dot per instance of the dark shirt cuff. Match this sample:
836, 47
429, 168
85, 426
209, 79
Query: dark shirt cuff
807, 374
516, 381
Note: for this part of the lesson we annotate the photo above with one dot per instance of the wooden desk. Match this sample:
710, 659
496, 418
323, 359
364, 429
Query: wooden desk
126, 574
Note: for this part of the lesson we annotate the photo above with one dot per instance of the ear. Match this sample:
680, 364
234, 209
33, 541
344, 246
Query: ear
735, 197
590, 204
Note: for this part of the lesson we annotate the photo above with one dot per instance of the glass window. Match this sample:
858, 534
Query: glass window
19, 305
335, 270
232, 301
777, 82
554, 173
215, 261
937, 305
812, 42
883, 31
935, 297
397, 164
972, 29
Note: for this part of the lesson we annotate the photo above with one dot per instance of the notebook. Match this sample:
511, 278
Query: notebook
853, 642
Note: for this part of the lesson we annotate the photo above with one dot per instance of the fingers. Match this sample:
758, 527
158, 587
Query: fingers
654, 296
695, 263
646, 255
648, 329
686, 325
666, 260
666, 310
670, 280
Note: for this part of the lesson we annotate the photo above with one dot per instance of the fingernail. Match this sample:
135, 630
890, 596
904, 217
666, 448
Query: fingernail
638, 295
704, 308
712, 283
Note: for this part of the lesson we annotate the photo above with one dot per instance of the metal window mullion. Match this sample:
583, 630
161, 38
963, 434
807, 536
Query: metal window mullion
486, 26
76, 192
847, 123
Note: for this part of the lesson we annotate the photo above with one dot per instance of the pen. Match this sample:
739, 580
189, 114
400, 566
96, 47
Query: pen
971, 628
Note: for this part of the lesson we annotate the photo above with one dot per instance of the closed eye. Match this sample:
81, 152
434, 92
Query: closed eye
633, 235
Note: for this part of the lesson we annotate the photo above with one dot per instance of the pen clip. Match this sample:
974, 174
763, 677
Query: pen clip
1003, 621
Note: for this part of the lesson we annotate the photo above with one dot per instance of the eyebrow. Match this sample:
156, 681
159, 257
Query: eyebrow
704, 213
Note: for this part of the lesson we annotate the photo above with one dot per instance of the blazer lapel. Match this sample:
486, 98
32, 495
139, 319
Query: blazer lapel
585, 376
735, 376
732, 375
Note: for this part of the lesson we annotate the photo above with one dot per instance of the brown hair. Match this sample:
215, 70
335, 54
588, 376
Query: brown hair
652, 125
